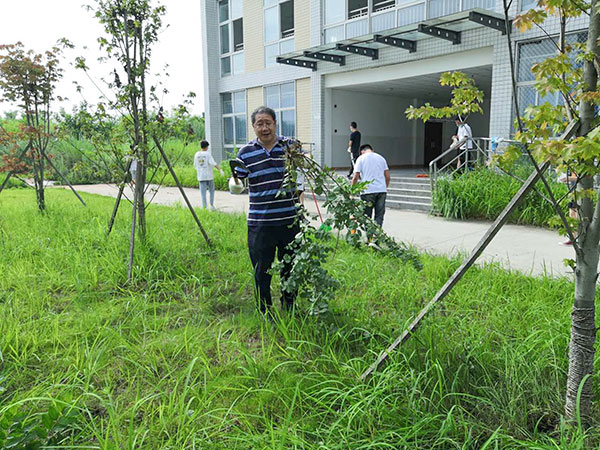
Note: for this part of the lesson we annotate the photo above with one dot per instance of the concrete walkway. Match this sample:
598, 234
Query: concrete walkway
530, 250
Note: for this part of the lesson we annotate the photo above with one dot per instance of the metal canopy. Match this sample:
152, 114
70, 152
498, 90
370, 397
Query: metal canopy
411, 46
442, 33
489, 21
297, 62
341, 60
449, 27
372, 53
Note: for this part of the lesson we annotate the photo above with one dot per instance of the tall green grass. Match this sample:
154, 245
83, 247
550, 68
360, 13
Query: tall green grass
180, 359
484, 193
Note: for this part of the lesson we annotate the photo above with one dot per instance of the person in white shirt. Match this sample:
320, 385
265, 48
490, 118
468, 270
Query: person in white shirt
373, 168
204, 163
464, 131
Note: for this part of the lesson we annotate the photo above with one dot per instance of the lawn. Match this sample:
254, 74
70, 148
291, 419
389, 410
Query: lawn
180, 359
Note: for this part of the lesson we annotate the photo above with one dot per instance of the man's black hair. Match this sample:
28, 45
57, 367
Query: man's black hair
366, 147
353, 125
262, 110
204, 144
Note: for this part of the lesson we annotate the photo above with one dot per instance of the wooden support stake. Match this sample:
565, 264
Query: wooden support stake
64, 178
132, 237
464, 267
113, 216
164, 155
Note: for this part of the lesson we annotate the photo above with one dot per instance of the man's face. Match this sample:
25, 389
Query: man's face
264, 127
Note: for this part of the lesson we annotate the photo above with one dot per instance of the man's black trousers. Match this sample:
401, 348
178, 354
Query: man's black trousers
377, 201
263, 243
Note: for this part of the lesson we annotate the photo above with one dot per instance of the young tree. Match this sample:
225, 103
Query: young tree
131, 30
28, 79
573, 73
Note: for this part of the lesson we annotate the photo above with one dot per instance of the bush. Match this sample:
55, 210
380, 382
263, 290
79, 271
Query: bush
187, 176
484, 193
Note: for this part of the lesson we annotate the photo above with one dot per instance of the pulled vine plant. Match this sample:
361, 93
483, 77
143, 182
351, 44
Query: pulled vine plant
315, 244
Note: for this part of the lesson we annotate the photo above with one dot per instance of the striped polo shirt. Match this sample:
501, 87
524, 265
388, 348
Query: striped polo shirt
265, 176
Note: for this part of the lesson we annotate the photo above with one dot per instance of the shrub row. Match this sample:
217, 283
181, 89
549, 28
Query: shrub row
483, 193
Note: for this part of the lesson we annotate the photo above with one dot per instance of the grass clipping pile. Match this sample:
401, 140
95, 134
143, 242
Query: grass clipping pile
314, 245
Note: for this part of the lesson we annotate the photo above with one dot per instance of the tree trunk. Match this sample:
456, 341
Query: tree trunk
38, 179
140, 186
583, 330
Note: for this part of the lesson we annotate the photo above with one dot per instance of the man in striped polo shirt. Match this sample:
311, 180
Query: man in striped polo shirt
272, 212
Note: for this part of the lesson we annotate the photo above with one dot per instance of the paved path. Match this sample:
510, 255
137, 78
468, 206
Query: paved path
531, 250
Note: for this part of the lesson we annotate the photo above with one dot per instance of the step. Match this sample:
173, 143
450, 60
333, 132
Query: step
408, 198
409, 206
410, 186
410, 180
421, 193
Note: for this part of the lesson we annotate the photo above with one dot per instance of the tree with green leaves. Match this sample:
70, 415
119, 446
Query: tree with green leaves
466, 100
28, 79
573, 74
131, 31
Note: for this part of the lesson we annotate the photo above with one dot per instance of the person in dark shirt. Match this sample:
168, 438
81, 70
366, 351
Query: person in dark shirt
272, 213
353, 146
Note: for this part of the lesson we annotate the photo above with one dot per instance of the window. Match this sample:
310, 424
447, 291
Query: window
357, 8
531, 53
231, 34
234, 119
279, 29
286, 14
335, 11
382, 5
528, 4
282, 98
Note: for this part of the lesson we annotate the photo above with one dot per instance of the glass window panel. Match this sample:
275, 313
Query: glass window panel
225, 66
357, 8
490, 5
271, 24
439, 8
223, 11
238, 35
272, 96
382, 5
240, 129
239, 102
237, 9
357, 28
286, 10
528, 4
278, 113
382, 22
270, 3
286, 46
227, 103
527, 97
411, 14
271, 52
335, 11
288, 123
288, 97
225, 38
532, 53
334, 34
228, 130
238, 63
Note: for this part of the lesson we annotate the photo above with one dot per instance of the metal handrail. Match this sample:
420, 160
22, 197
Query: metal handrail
434, 170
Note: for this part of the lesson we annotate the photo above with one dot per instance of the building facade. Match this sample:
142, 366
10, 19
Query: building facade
321, 64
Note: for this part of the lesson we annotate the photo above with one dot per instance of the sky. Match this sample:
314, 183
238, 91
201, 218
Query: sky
38, 24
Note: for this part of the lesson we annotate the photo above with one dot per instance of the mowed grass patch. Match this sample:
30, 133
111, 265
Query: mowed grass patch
180, 359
